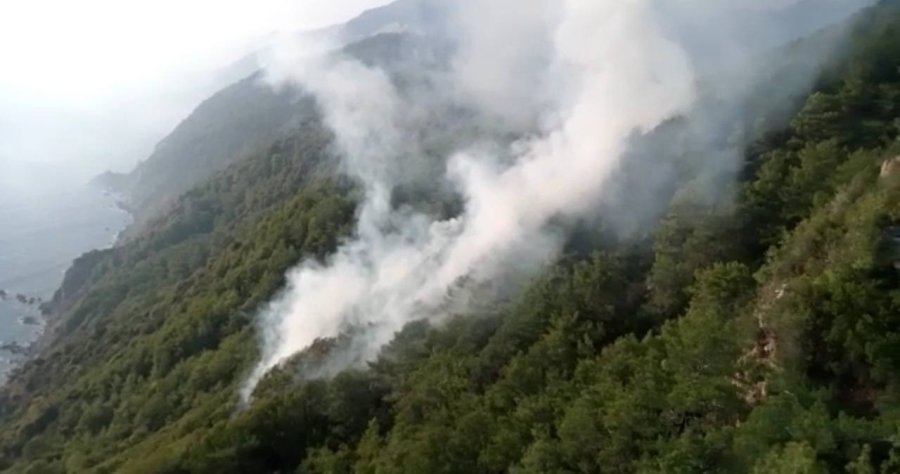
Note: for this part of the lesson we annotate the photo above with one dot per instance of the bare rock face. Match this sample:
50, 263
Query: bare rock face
890, 167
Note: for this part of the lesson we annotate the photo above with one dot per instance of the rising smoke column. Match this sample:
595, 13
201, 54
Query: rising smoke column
612, 72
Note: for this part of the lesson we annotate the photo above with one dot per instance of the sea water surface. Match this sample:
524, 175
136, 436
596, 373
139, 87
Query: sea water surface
46, 221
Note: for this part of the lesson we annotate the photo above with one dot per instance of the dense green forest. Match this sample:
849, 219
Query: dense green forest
761, 336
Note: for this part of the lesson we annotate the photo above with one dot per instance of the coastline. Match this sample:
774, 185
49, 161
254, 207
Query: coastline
27, 299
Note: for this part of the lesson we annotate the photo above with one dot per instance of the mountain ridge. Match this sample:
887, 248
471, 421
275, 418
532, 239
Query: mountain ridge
752, 335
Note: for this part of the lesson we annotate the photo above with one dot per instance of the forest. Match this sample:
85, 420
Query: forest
760, 334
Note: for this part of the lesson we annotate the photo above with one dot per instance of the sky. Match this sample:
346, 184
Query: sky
92, 84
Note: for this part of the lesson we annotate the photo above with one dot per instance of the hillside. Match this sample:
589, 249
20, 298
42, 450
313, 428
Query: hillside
249, 115
759, 334
221, 130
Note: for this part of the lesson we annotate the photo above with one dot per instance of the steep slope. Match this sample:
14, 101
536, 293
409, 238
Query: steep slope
197, 254
758, 337
224, 128
249, 114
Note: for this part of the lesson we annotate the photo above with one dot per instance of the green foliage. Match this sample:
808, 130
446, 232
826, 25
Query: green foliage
757, 336
209, 140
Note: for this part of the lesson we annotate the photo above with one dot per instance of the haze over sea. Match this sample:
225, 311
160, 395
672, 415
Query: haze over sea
46, 221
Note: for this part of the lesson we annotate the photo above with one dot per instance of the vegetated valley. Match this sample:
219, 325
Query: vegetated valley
756, 334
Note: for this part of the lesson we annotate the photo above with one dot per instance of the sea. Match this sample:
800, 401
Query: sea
44, 226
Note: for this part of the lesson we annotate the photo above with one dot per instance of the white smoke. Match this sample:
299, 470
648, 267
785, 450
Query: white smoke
499, 58
597, 73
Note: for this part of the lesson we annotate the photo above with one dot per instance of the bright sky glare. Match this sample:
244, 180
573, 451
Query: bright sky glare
64, 50
92, 85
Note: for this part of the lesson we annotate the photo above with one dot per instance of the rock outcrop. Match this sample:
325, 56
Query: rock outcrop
890, 167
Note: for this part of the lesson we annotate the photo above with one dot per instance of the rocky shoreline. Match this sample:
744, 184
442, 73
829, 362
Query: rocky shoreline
36, 312
17, 348
30, 314
35, 304
22, 299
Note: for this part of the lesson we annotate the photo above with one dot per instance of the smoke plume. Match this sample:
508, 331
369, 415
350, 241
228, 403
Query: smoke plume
586, 77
